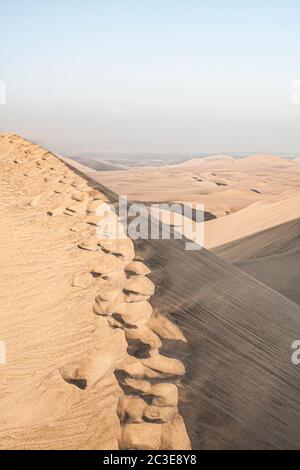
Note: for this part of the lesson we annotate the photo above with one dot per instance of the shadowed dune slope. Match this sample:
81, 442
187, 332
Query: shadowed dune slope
272, 256
241, 389
281, 272
273, 241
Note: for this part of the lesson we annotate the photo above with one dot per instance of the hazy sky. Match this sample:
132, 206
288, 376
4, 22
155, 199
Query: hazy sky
151, 75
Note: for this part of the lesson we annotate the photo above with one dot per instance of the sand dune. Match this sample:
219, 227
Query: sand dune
224, 184
112, 344
273, 241
281, 272
253, 219
207, 161
240, 389
69, 303
272, 256
263, 159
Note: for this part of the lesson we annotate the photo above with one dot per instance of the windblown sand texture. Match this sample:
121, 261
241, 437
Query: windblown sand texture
84, 368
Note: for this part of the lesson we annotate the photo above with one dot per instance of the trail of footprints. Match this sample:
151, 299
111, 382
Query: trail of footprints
148, 402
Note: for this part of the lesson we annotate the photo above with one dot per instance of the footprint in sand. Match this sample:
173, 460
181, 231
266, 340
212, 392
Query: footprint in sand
82, 279
40, 198
145, 335
62, 188
98, 363
131, 409
60, 207
158, 414
145, 436
138, 268
80, 227
19, 160
90, 243
78, 205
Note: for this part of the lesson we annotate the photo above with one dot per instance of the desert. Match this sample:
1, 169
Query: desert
243, 199
150, 232
224, 184
128, 341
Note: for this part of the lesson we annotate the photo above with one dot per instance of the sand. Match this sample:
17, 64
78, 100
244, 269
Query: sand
241, 389
75, 316
113, 345
273, 241
253, 219
281, 272
242, 198
271, 255
223, 184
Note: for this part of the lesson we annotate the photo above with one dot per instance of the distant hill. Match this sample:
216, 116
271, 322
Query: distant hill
264, 158
98, 165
